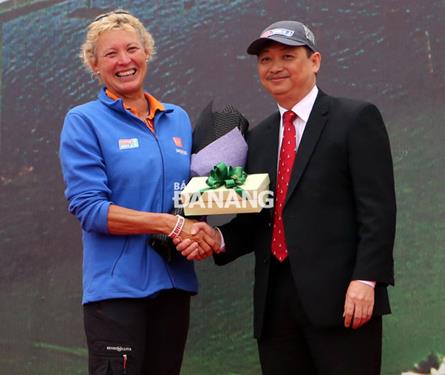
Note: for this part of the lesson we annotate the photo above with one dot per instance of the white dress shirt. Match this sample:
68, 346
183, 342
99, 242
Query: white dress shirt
302, 109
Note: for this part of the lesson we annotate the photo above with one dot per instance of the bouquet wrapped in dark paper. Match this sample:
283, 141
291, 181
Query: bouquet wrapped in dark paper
218, 157
218, 137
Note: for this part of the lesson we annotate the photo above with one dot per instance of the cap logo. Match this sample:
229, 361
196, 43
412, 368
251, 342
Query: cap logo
285, 32
309, 34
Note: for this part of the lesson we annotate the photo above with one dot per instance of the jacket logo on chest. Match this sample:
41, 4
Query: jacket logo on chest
178, 141
179, 145
125, 144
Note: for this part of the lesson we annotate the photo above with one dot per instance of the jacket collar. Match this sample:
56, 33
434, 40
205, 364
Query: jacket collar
117, 103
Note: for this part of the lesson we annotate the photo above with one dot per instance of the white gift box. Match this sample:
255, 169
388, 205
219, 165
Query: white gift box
255, 197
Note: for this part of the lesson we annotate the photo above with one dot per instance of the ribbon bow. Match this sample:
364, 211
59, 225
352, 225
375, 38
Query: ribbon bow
225, 175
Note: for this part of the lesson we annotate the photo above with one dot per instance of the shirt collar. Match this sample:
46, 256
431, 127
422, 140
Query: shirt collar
304, 107
154, 104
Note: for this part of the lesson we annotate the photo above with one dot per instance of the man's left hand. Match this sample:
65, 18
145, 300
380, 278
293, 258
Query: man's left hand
359, 304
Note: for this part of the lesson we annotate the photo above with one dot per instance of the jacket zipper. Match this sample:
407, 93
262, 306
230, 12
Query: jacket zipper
160, 151
163, 170
163, 179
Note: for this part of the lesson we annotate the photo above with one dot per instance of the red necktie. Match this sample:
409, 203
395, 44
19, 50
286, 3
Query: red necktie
286, 162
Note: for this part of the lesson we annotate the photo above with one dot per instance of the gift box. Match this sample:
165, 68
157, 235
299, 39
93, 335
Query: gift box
252, 196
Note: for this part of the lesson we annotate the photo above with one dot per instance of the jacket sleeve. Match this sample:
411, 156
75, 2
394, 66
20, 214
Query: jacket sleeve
237, 237
84, 173
371, 171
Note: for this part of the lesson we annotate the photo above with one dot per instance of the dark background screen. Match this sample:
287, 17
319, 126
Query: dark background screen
390, 52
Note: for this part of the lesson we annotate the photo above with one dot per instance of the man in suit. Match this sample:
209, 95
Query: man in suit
324, 253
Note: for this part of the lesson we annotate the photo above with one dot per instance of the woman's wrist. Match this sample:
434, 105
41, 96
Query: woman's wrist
177, 229
164, 223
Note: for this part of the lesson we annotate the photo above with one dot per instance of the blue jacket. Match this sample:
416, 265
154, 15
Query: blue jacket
109, 156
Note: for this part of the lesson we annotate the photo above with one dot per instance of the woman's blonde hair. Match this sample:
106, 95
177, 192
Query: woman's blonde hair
118, 19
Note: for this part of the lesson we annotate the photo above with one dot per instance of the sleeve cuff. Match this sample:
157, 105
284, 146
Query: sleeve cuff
223, 244
370, 283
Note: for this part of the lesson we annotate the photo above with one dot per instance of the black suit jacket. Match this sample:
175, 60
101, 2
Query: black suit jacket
340, 210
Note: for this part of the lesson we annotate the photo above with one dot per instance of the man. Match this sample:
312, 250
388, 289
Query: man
323, 255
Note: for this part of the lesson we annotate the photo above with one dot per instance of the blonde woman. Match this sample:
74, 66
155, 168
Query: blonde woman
122, 156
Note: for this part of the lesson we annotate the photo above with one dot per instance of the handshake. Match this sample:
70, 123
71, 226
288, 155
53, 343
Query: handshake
197, 240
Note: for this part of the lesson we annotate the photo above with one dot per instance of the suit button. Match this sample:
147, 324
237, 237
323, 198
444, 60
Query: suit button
266, 260
269, 224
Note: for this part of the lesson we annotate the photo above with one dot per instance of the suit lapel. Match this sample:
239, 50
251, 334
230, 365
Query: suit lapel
314, 127
265, 152
270, 151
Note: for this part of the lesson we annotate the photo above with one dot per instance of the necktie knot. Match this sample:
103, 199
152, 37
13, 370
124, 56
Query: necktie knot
289, 117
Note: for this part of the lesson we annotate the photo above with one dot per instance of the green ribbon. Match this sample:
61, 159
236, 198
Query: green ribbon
225, 175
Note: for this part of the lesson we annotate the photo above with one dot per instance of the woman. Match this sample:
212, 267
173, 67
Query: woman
122, 157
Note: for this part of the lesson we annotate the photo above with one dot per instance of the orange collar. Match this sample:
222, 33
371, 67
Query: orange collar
154, 104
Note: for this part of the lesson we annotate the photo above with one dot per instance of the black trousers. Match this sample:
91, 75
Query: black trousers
291, 345
137, 336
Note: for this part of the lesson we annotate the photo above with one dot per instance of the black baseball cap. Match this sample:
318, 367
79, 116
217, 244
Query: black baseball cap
290, 33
